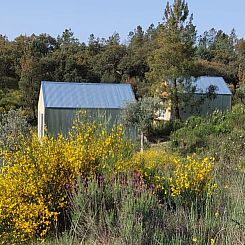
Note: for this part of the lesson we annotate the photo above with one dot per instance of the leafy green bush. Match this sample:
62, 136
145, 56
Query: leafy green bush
241, 93
13, 125
197, 132
163, 129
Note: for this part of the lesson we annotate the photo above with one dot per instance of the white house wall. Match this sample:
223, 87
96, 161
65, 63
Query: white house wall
41, 111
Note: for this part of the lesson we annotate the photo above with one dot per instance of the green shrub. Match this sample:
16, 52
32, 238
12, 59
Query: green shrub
163, 129
13, 125
198, 132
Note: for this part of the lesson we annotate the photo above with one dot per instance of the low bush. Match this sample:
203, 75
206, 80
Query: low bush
161, 130
197, 132
13, 125
174, 178
33, 180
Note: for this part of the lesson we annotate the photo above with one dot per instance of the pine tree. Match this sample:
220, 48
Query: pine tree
173, 59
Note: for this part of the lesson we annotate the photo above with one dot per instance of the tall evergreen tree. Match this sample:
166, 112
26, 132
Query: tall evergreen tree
173, 59
217, 56
29, 83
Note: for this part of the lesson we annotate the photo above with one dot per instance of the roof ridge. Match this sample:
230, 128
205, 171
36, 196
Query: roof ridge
84, 83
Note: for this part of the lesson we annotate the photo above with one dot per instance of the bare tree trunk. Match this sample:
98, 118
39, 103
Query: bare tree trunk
33, 109
141, 142
176, 101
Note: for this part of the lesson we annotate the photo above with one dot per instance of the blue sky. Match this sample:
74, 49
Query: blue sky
104, 17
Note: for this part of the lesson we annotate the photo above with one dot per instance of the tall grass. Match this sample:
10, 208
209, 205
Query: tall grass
116, 213
117, 216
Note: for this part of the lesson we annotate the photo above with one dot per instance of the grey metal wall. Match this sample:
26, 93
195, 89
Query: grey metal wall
60, 121
195, 107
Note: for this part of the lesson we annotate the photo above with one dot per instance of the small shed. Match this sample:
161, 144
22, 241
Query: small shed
197, 102
59, 103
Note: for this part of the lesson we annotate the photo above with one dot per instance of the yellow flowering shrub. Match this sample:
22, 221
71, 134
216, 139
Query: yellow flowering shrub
33, 181
192, 175
174, 176
32, 193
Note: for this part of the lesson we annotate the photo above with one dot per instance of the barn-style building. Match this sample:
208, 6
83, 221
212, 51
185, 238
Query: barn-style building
197, 100
59, 103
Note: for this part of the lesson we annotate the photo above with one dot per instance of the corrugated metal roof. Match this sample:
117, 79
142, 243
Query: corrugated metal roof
203, 83
86, 95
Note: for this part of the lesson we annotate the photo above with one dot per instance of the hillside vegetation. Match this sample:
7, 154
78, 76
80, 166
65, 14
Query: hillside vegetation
95, 186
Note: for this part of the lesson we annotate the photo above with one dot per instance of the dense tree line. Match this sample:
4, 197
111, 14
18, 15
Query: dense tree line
149, 57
